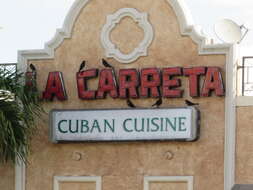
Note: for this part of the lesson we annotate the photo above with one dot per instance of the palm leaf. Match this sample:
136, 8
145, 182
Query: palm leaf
17, 118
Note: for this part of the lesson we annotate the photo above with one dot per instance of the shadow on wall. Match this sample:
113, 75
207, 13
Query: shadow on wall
242, 187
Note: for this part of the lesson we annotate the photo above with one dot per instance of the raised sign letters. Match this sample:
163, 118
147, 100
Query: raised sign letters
132, 83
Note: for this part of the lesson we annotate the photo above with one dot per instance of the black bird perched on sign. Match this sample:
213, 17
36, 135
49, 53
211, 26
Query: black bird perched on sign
32, 67
82, 66
106, 64
130, 104
189, 103
158, 102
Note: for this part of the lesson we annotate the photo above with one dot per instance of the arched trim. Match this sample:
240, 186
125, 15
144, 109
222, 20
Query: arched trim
183, 15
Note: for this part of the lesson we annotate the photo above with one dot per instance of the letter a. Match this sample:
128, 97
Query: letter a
213, 82
55, 87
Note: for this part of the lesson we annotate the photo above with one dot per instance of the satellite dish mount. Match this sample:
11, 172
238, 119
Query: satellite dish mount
246, 30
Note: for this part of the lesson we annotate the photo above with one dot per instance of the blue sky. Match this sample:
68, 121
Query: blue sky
28, 24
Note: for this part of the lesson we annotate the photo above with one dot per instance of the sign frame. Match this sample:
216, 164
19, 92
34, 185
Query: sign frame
195, 126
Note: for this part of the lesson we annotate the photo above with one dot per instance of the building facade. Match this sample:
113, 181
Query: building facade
135, 37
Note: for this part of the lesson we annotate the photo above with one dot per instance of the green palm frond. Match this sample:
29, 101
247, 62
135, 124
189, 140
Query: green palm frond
17, 116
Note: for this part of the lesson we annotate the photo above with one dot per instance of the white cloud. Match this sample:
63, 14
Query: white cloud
232, 3
28, 24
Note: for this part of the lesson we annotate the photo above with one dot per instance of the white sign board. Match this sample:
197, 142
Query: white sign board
124, 124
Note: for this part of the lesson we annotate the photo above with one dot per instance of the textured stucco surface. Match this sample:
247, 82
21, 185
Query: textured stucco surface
244, 149
7, 176
123, 165
77, 186
168, 186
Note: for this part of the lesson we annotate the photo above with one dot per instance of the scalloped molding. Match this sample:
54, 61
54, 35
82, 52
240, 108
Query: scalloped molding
204, 46
111, 51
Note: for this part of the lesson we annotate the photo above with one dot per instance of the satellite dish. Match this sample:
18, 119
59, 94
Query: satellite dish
228, 31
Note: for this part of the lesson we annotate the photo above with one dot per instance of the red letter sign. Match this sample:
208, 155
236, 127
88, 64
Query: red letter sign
213, 81
55, 87
150, 81
82, 87
107, 84
194, 74
128, 83
169, 84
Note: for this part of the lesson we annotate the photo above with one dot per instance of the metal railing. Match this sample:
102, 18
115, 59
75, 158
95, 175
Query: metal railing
12, 67
247, 76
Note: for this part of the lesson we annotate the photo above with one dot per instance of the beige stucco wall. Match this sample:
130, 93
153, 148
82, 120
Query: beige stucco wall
168, 185
244, 149
123, 165
7, 176
77, 186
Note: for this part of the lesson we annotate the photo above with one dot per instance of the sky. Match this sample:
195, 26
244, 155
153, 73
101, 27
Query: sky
29, 24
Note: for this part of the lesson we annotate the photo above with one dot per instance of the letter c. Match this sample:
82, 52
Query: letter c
59, 126
124, 126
